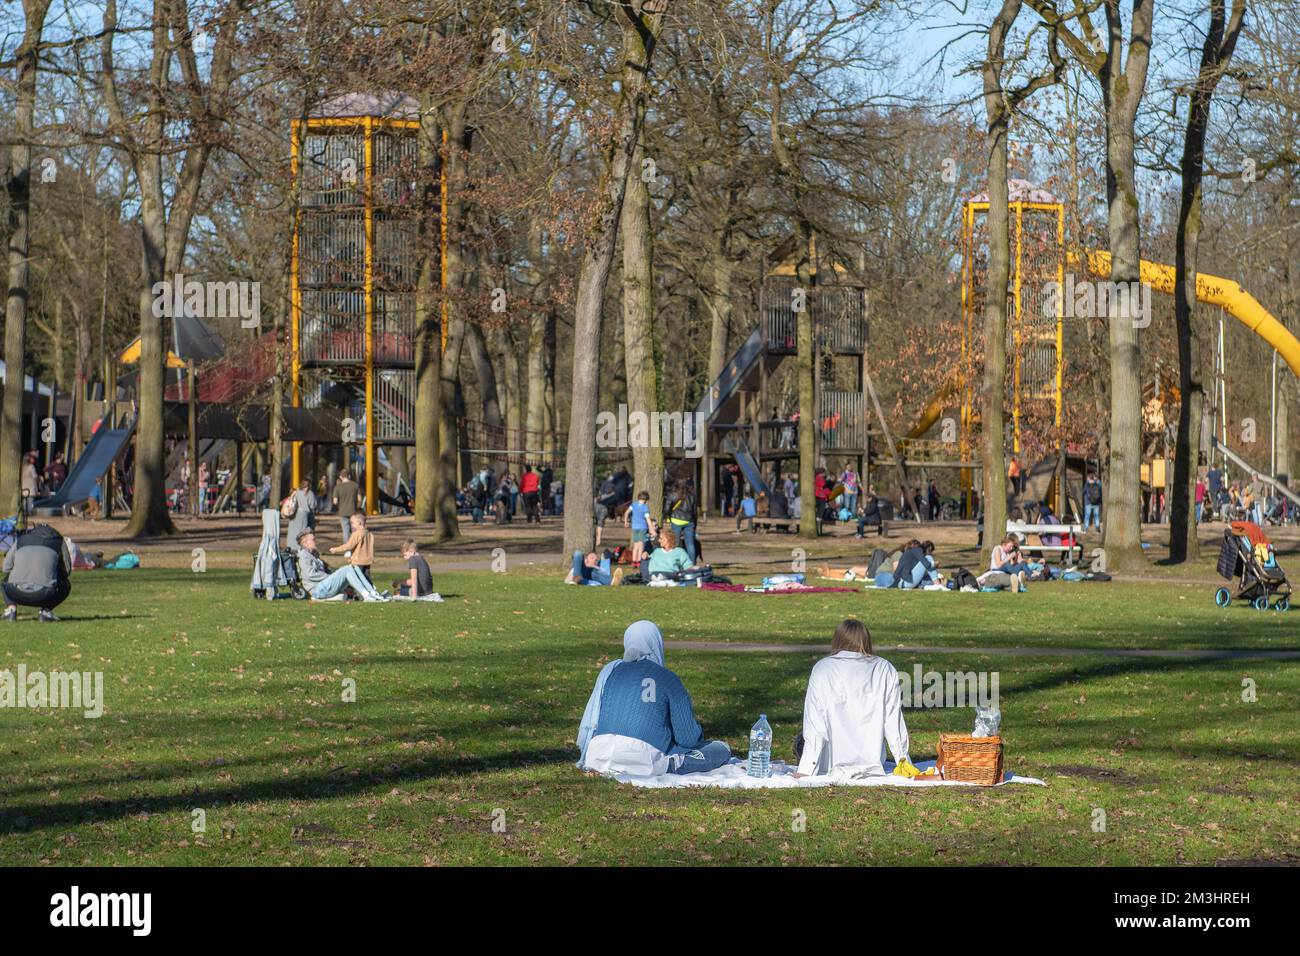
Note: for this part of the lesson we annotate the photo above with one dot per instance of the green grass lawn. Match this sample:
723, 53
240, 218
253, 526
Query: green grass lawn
219, 703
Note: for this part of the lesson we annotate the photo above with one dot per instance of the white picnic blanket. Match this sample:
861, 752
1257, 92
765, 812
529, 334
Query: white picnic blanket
732, 776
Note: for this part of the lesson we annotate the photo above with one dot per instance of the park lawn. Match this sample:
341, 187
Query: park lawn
467, 711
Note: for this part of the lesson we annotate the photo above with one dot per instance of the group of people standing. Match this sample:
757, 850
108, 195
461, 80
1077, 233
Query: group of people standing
534, 492
37, 483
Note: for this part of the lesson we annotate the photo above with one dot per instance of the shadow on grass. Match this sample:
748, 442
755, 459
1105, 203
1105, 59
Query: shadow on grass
328, 784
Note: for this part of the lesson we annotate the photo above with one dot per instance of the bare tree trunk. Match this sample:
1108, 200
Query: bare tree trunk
993, 390
638, 328
18, 187
493, 424
428, 324
164, 236
805, 373
552, 409
538, 367
1215, 54
508, 387
640, 33
457, 267
79, 375
717, 300
1123, 86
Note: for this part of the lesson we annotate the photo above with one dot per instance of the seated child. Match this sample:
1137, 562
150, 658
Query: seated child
420, 580
747, 511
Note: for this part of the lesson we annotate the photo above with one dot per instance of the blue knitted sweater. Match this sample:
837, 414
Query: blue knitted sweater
641, 699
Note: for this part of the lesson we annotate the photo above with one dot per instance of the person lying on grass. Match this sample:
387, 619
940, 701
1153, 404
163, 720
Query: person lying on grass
360, 548
419, 581
325, 585
592, 569
853, 706
639, 719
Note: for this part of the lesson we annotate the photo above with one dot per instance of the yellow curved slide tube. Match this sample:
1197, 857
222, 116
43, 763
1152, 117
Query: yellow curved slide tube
931, 413
1213, 290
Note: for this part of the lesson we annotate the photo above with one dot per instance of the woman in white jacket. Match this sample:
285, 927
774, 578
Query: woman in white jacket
852, 708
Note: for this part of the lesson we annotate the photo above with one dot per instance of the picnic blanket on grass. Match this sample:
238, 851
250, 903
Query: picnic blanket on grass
732, 776
777, 589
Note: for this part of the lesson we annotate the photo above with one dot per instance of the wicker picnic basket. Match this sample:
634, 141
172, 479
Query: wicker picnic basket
970, 759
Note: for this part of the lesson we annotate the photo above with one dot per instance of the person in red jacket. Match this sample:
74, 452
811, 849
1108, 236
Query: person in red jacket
530, 487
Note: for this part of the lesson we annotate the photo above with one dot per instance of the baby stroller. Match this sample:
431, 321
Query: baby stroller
1247, 553
275, 567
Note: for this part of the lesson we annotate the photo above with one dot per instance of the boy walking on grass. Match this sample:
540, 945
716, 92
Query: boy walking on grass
637, 517
360, 547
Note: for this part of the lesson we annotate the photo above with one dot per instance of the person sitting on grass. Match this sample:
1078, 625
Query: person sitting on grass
852, 708
915, 566
420, 580
637, 518
360, 547
592, 569
325, 585
37, 569
668, 558
1006, 557
639, 718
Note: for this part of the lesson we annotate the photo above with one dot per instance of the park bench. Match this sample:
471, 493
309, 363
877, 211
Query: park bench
767, 524
1072, 531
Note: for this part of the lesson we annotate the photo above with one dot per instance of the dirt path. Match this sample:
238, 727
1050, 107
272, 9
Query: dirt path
231, 540
1197, 655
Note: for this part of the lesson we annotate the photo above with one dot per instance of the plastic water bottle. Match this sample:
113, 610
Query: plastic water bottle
988, 721
760, 748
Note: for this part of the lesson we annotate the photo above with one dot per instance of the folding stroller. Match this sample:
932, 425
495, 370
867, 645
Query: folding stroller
274, 567
1247, 554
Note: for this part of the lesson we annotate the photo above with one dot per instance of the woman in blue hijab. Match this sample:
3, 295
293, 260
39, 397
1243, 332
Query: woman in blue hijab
639, 719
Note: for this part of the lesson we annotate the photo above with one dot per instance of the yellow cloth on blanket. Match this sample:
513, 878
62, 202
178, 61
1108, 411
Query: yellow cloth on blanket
906, 769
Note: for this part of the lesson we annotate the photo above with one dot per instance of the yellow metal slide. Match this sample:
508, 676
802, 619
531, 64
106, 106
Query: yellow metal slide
1212, 290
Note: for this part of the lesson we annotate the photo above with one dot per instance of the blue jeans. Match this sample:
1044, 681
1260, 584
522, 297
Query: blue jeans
919, 573
1015, 568
710, 755
593, 576
348, 575
1091, 514
851, 501
686, 538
